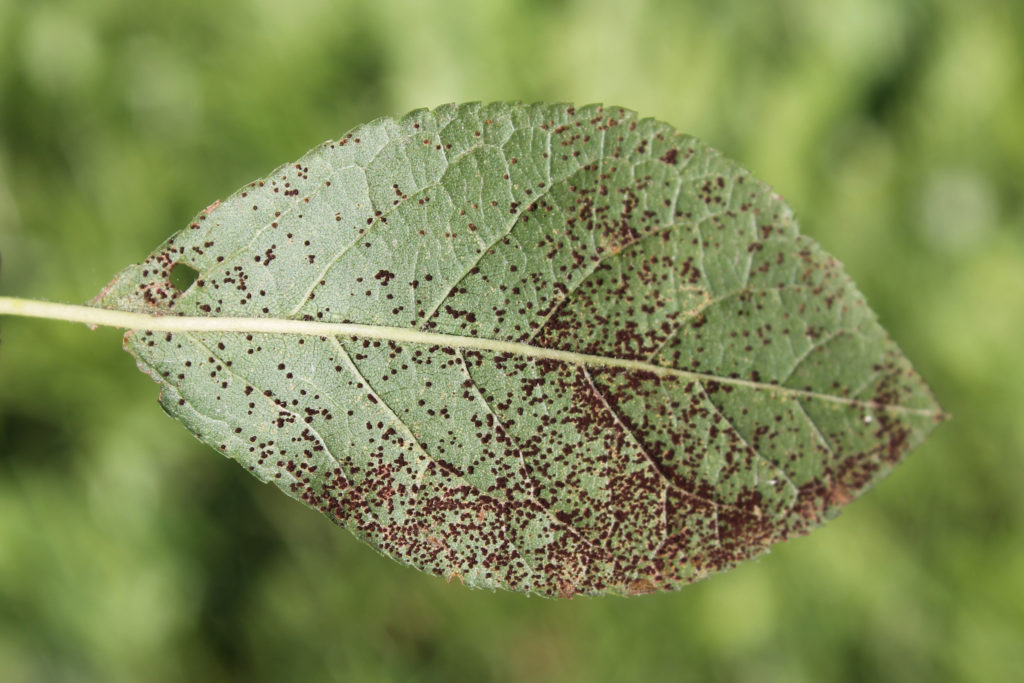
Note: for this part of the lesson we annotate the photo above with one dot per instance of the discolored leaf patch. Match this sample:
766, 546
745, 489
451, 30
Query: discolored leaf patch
588, 354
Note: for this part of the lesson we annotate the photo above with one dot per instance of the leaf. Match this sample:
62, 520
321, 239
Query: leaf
583, 354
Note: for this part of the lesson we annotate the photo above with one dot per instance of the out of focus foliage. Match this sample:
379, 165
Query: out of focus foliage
129, 551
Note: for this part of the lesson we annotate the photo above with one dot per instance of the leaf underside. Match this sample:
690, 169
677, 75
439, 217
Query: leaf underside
723, 384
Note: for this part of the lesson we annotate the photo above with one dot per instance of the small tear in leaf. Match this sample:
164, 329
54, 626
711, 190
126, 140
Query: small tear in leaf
182, 276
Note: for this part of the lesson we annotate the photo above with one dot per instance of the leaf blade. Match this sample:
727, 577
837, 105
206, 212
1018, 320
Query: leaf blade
616, 365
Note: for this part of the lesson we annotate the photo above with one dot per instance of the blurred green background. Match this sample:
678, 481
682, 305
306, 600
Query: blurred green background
130, 552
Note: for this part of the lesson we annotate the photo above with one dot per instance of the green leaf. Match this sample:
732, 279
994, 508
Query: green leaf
585, 353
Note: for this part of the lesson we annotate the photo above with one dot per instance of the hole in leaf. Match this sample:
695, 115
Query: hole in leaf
182, 276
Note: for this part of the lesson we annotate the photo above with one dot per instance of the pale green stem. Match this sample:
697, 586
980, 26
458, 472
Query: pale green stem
95, 317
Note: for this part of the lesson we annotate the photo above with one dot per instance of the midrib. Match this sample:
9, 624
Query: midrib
157, 323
